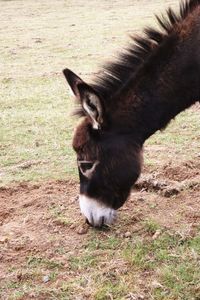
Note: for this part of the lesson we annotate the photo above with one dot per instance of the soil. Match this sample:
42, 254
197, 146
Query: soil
31, 223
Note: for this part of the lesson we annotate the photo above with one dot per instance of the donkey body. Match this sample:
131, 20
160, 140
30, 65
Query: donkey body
153, 81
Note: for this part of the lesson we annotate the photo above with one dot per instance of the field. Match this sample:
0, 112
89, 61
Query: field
46, 250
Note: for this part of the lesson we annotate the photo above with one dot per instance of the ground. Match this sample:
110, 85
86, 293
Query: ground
46, 249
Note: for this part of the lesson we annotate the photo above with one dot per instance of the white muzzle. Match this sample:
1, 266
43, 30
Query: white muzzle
96, 212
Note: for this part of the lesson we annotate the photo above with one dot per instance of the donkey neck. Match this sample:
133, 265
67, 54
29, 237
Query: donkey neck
168, 84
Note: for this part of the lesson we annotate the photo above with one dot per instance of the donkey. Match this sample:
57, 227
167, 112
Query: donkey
156, 78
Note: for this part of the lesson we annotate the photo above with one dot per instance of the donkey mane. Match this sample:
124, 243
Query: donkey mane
116, 74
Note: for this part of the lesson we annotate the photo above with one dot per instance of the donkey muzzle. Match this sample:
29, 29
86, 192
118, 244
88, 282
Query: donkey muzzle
96, 213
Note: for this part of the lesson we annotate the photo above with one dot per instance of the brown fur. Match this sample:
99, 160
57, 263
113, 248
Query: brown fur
157, 78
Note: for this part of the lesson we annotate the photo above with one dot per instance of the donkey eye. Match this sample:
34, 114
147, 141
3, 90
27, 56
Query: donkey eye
87, 167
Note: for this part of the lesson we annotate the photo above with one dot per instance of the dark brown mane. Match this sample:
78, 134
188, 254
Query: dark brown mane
116, 74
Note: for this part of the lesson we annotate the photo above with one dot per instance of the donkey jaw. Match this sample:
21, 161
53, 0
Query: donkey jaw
96, 212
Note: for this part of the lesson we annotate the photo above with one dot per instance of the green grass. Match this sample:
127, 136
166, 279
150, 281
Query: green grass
109, 266
34, 129
34, 262
85, 262
58, 216
151, 226
117, 290
169, 260
174, 262
110, 243
181, 132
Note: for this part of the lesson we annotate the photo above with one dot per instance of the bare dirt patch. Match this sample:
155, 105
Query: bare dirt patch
38, 219
30, 224
187, 170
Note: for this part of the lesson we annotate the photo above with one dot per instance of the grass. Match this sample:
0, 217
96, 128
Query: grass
111, 267
85, 262
58, 216
151, 226
34, 262
38, 132
188, 125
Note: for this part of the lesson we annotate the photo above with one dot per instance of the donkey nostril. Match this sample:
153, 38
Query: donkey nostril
88, 222
102, 221
91, 222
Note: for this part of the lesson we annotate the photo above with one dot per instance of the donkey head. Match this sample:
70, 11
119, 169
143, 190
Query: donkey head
109, 162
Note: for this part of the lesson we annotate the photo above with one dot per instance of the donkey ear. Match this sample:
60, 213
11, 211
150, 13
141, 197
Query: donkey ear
73, 81
90, 101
